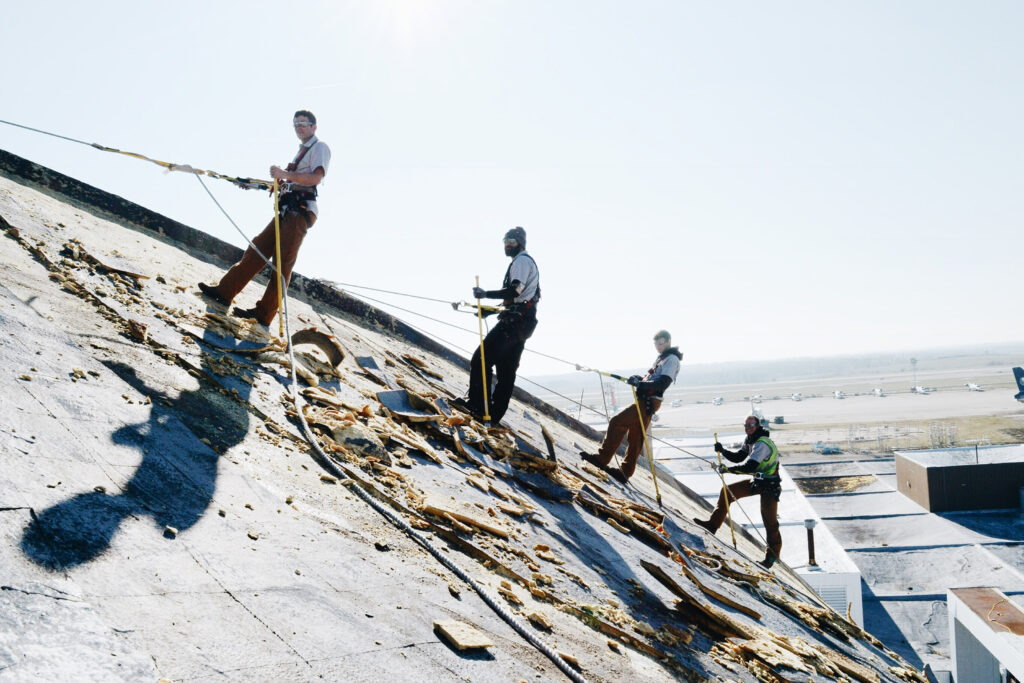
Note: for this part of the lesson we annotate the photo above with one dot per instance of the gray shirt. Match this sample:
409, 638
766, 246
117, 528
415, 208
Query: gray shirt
760, 451
524, 269
318, 156
664, 367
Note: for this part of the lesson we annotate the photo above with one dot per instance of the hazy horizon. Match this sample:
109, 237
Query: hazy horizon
978, 348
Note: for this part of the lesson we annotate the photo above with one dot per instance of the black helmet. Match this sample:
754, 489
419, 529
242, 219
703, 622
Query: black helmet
517, 234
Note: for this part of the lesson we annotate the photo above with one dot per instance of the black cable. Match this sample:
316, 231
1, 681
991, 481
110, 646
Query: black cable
258, 252
341, 285
62, 137
423, 315
406, 310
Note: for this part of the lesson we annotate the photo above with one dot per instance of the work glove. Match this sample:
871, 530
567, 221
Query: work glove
479, 293
634, 380
723, 468
718, 447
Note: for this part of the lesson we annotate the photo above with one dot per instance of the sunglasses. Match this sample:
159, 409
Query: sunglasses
301, 124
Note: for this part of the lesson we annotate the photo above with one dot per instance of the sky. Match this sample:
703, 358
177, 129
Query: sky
764, 180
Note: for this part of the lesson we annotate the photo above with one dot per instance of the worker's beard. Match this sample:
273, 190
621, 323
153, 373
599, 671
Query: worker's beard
755, 435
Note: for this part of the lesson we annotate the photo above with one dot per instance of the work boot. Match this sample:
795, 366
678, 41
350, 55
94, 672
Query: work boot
462, 403
617, 474
592, 459
248, 314
768, 561
212, 292
706, 524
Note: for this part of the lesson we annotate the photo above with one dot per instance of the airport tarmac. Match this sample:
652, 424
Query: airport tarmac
850, 410
820, 416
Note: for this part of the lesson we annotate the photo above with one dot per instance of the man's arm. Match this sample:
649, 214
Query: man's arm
658, 385
737, 456
759, 452
509, 292
308, 179
749, 467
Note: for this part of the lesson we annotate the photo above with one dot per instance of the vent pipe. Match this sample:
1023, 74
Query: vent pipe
810, 524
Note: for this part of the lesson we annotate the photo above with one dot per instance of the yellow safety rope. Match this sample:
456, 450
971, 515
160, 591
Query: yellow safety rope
650, 455
246, 183
483, 362
277, 262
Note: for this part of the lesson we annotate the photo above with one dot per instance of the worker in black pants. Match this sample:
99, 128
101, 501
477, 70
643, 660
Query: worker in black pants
503, 346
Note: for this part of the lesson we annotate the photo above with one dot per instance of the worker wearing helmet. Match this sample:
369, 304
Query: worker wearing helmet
626, 424
762, 461
503, 346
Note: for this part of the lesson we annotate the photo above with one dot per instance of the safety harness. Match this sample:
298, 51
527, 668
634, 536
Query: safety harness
520, 315
292, 200
511, 304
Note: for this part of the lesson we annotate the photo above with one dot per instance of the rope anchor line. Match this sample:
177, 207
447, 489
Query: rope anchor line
244, 183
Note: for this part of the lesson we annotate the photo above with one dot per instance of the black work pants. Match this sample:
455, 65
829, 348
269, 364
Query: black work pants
503, 347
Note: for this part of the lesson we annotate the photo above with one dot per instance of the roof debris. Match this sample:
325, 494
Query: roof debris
461, 635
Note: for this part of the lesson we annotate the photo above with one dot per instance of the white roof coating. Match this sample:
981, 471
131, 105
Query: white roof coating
971, 455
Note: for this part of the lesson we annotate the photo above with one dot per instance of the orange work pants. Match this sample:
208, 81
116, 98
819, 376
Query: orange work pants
293, 231
626, 425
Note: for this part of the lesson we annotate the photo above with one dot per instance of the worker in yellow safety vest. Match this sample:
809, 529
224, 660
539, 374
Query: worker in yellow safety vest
762, 461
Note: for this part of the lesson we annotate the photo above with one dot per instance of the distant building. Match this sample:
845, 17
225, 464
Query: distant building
986, 636
971, 478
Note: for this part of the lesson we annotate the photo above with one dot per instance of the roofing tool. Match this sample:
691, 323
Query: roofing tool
277, 259
647, 444
483, 363
725, 491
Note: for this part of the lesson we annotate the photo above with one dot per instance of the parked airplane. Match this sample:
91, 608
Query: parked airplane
838, 394
717, 400
797, 396
756, 412
971, 386
1018, 374
878, 392
918, 389
756, 398
676, 403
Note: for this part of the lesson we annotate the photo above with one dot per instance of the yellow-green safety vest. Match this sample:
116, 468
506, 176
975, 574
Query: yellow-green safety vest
770, 466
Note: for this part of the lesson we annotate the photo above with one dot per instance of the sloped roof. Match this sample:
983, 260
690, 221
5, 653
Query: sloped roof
162, 515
